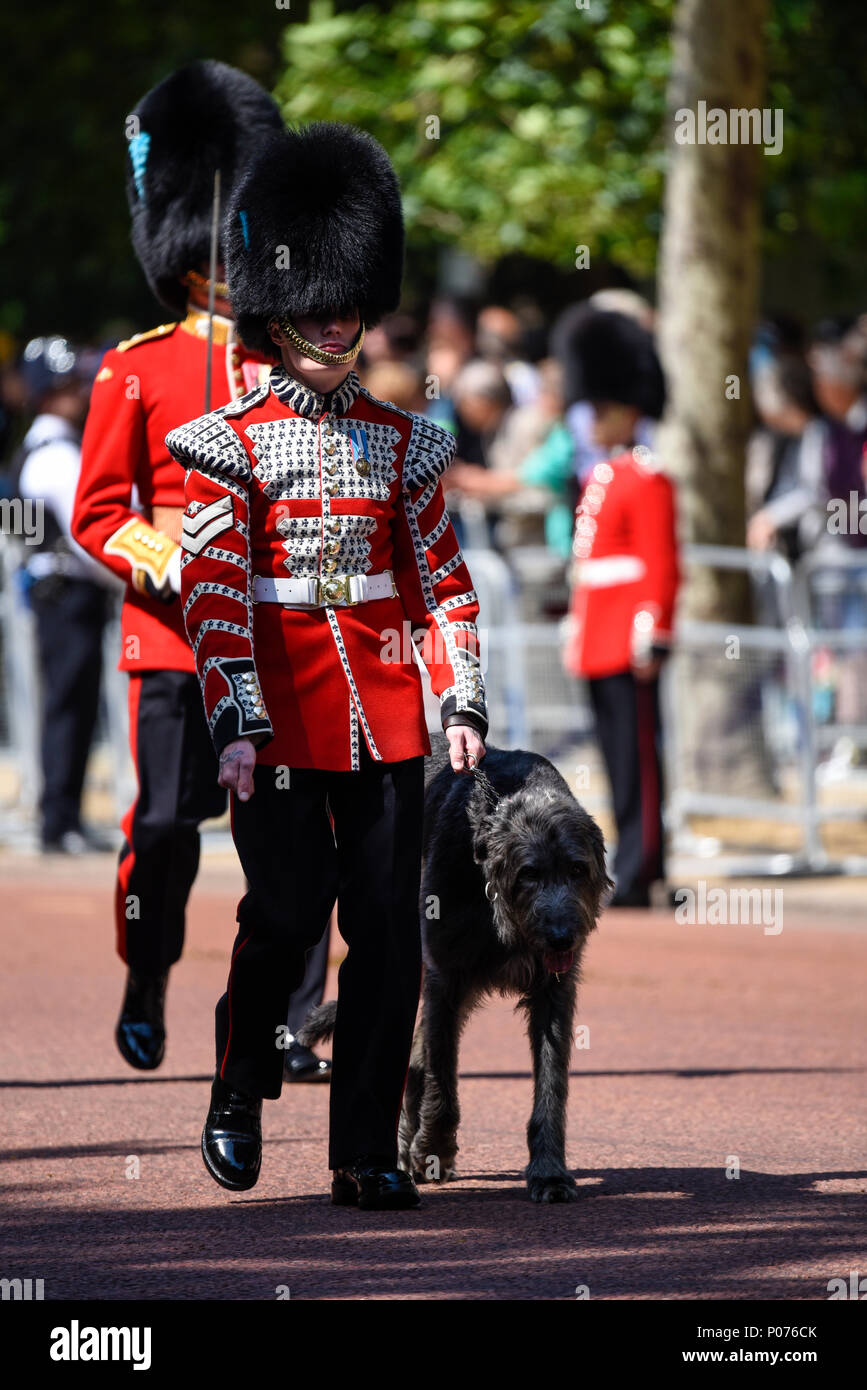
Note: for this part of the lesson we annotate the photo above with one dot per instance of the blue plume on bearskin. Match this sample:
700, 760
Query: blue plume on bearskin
203, 117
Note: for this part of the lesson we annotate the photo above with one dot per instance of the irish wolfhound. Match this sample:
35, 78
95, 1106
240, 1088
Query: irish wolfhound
512, 882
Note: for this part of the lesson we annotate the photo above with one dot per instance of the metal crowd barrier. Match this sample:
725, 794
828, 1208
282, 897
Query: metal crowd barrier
748, 736
20, 766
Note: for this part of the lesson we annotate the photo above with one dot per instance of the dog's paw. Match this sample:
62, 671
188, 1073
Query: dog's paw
556, 1189
431, 1167
446, 1175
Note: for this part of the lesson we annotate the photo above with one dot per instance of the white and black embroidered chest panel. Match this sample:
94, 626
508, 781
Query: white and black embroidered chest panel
429, 451
345, 537
363, 460
287, 458
297, 459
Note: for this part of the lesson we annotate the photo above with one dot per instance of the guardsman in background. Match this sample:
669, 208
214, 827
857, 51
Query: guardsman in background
626, 581
130, 500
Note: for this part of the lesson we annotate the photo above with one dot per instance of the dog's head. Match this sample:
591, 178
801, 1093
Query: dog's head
543, 860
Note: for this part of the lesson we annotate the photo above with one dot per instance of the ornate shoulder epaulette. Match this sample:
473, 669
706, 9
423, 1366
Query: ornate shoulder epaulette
246, 402
429, 453
386, 405
211, 443
162, 331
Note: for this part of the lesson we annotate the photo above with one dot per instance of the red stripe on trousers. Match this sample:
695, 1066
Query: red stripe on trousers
649, 780
126, 865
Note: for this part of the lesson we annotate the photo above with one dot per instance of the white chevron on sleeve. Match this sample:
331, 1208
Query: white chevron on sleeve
207, 523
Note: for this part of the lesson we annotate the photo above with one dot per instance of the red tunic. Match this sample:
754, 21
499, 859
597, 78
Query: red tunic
279, 487
144, 388
627, 566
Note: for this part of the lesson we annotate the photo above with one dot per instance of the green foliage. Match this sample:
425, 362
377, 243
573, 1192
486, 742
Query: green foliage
549, 116
72, 73
551, 120
816, 197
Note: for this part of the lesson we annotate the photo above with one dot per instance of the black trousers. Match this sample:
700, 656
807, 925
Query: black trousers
312, 988
177, 774
70, 616
296, 864
628, 728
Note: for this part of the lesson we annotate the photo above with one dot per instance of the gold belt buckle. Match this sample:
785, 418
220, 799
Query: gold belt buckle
336, 588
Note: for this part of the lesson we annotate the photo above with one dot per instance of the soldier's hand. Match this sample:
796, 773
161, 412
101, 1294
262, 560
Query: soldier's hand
466, 748
165, 593
168, 591
237, 762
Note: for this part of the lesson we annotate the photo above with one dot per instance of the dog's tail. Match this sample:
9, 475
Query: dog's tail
318, 1026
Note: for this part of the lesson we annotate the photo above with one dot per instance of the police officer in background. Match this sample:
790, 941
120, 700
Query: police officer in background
626, 577
67, 592
202, 118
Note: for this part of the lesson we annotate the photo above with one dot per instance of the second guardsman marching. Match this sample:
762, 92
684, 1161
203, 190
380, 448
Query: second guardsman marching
130, 499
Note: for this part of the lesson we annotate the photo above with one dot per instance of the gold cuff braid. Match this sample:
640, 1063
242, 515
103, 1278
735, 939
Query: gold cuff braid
146, 550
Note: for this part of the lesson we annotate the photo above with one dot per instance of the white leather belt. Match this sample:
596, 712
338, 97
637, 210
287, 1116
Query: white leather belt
608, 570
318, 591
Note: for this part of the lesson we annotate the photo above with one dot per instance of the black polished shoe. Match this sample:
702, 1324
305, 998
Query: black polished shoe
140, 1034
374, 1186
302, 1064
232, 1137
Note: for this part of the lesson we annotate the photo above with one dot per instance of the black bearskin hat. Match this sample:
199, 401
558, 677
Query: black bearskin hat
314, 226
204, 117
608, 356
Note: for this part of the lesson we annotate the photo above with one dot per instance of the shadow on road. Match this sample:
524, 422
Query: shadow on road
635, 1233
688, 1073
128, 1079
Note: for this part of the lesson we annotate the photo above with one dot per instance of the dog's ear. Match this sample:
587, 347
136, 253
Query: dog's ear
602, 884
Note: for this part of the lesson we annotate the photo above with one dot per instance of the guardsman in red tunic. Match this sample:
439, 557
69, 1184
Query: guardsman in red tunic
316, 540
626, 582
130, 500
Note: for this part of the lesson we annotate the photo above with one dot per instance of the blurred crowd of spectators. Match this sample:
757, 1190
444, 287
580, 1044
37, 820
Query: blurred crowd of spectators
487, 374
521, 452
490, 375
524, 453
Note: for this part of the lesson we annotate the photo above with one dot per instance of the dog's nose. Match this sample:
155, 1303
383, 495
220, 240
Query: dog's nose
560, 937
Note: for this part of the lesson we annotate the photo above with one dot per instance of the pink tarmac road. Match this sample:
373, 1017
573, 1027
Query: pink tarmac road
709, 1047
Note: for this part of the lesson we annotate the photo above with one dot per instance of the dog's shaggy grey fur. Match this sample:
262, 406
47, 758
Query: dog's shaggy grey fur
510, 892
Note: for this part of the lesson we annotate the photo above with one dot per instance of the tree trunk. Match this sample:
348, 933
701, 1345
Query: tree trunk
708, 291
708, 281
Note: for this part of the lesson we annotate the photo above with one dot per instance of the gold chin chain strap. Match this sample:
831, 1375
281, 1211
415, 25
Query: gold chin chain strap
201, 282
328, 359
